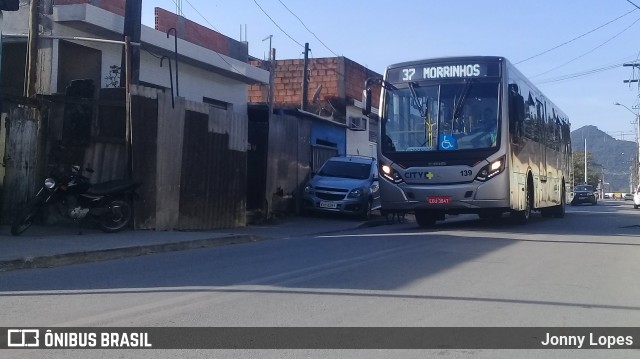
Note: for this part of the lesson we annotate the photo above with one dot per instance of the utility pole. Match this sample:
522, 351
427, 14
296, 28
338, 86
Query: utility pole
272, 75
32, 51
305, 79
132, 29
585, 160
636, 122
634, 65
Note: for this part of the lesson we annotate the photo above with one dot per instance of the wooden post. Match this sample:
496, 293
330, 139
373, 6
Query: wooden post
127, 91
305, 78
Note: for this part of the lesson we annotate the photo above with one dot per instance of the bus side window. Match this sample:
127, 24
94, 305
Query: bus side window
516, 111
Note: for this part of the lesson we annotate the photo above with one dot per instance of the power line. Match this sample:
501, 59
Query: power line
574, 39
214, 28
579, 74
275, 23
305, 26
588, 52
199, 13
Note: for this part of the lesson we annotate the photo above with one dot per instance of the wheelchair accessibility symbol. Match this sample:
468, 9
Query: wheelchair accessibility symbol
448, 142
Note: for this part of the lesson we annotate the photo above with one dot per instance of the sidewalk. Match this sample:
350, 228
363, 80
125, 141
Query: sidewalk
51, 246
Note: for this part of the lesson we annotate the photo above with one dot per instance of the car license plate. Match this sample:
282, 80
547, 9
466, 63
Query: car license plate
325, 204
439, 200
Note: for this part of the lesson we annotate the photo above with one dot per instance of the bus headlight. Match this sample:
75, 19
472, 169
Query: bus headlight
389, 173
492, 169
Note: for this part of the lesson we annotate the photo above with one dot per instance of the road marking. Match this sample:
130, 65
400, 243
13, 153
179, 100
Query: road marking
182, 301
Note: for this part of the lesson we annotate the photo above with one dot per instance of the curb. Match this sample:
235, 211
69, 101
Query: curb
58, 260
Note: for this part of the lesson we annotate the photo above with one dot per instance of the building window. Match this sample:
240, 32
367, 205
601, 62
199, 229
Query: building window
216, 103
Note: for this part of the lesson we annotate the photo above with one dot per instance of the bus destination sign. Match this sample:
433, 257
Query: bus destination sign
441, 71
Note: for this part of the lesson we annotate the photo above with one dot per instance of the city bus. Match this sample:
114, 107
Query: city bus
468, 135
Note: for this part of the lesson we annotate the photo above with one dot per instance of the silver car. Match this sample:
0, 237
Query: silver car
345, 184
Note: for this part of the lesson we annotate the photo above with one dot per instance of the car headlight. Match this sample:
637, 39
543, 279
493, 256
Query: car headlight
50, 183
308, 188
356, 193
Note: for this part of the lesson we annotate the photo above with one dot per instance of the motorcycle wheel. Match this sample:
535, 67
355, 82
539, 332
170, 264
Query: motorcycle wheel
22, 222
119, 216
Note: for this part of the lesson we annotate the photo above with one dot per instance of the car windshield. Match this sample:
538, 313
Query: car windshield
344, 169
443, 117
584, 188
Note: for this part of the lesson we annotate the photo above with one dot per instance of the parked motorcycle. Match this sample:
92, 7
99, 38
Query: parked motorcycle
108, 203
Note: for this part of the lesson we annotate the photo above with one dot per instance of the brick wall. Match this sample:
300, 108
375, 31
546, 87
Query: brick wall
200, 35
356, 75
187, 30
339, 77
114, 6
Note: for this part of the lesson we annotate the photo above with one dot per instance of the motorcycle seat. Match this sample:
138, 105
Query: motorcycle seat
112, 187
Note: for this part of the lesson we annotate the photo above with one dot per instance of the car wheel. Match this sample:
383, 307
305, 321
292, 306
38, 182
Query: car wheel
366, 213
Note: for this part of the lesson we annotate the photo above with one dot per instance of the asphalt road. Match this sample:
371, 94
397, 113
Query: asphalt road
581, 271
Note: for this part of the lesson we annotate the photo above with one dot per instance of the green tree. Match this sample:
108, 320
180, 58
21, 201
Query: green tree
594, 170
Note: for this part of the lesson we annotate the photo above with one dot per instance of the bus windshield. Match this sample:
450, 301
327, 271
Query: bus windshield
441, 117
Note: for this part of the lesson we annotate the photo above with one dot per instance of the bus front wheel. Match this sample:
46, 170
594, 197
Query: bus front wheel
522, 217
425, 218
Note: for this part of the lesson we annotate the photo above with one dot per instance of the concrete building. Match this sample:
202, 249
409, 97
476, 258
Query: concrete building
213, 68
189, 152
335, 87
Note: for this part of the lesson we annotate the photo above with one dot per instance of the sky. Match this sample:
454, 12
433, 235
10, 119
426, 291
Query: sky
573, 51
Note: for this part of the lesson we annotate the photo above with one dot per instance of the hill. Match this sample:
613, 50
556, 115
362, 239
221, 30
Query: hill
615, 158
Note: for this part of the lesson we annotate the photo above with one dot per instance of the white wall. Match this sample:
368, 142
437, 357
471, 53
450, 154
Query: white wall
358, 141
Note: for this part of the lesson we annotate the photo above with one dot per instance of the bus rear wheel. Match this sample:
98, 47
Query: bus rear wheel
559, 210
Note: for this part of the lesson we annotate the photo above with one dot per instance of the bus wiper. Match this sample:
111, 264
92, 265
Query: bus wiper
457, 108
422, 105
418, 104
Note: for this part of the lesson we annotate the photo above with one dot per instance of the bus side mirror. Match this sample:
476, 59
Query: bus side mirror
366, 101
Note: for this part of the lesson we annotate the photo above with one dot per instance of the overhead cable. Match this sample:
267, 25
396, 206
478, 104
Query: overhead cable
576, 38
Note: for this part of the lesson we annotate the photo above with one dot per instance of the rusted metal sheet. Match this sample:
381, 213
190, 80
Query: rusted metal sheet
22, 169
169, 162
288, 160
144, 109
214, 170
258, 137
108, 159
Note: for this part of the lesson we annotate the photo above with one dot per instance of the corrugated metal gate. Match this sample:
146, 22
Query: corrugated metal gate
191, 159
194, 174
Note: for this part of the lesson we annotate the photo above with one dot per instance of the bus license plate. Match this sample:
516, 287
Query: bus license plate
325, 204
439, 200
